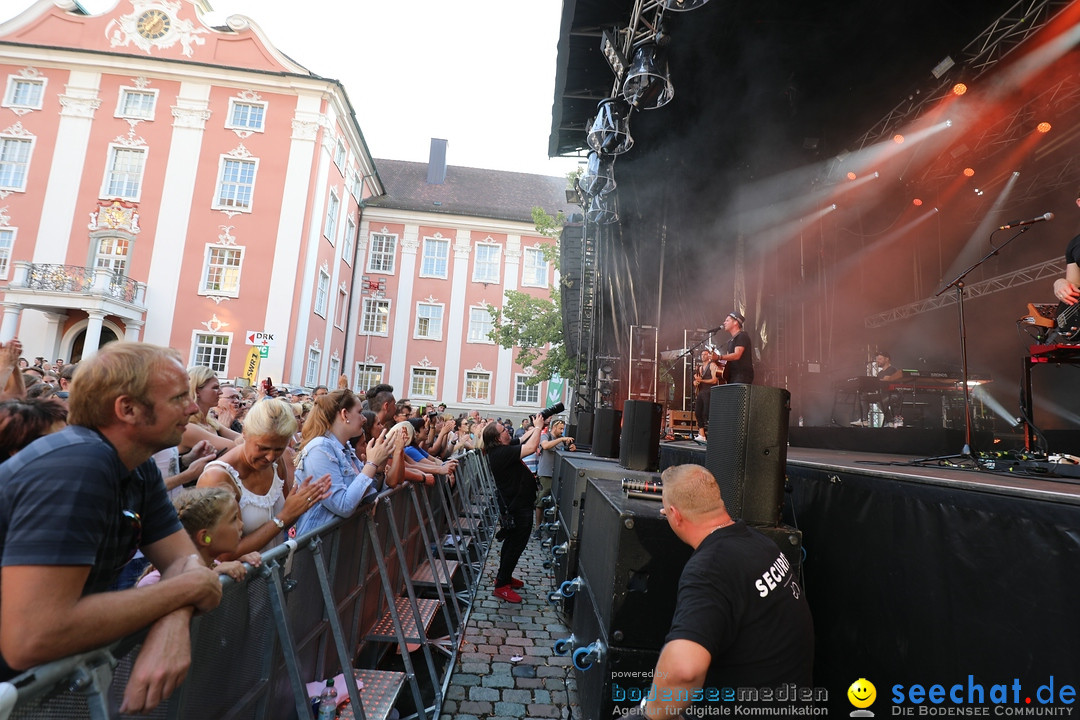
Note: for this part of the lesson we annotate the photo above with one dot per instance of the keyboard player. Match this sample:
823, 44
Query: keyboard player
889, 400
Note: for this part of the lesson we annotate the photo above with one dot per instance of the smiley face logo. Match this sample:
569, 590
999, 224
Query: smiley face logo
862, 693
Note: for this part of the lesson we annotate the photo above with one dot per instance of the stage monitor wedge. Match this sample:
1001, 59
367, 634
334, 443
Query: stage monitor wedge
747, 449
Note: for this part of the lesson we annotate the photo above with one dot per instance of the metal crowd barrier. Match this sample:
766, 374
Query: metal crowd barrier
364, 596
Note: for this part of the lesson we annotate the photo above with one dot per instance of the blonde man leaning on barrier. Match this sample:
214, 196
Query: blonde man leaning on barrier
76, 505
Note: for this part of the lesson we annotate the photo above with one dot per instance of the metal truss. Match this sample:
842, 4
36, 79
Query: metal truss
1030, 274
1003, 36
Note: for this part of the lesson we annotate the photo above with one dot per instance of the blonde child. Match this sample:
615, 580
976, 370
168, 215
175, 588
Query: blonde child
211, 517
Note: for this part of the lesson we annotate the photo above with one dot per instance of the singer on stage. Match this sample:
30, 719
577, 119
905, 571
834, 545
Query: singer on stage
740, 354
706, 376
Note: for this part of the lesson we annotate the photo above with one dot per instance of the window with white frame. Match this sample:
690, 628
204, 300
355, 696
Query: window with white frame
330, 226
367, 376
477, 386
335, 370
112, 254
376, 320
480, 325
14, 162
322, 293
486, 269
381, 257
525, 394
23, 92
244, 115
221, 270
436, 258
136, 104
348, 241
236, 184
123, 175
342, 308
7, 241
428, 321
311, 370
340, 154
211, 350
423, 383
534, 268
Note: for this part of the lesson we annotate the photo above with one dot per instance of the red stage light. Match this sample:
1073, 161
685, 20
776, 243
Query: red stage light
851, 176
1043, 127
969, 172
898, 138
917, 202
959, 89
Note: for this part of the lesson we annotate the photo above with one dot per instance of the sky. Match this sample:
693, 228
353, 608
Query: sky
479, 74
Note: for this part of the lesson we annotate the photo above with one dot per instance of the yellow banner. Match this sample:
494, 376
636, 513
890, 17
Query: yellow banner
251, 366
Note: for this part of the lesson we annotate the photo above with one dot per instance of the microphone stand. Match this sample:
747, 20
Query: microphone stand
690, 352
967, 453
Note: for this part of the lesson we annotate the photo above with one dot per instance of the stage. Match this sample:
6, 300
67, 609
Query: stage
925, 573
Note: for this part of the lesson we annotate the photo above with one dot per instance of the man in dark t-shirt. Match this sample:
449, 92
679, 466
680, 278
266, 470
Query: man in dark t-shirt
741, 620
739, 354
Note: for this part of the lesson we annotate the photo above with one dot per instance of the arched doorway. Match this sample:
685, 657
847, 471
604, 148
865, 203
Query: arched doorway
107, 336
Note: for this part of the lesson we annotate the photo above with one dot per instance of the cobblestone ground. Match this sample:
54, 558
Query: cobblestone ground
507, 667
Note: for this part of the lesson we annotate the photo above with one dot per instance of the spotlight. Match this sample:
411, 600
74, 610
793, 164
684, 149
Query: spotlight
1043, 127
682, 5
948, 123
599, 176
610, 131
959, 89
648, 83
969, 172
917, 202
851, 175
898, 138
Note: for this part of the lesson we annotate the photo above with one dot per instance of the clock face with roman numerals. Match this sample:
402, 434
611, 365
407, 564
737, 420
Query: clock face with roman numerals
153, 24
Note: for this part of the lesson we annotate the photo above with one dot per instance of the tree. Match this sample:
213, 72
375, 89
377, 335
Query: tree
533, 325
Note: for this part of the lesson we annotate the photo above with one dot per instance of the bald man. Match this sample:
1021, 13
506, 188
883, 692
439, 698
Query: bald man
741, 620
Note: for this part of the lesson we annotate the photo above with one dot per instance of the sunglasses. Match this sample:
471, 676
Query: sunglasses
136, 525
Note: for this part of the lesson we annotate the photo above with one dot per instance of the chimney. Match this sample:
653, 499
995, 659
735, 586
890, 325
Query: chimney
436, 169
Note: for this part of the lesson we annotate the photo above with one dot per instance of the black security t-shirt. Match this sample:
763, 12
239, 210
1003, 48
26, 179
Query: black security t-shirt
739, 599
515, 482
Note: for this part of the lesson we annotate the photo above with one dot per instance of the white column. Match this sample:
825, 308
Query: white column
162, 291
12, 311
457, 312
77, 106
53, 326
131, 330
354, 341
505, 370
93, 333
403, 303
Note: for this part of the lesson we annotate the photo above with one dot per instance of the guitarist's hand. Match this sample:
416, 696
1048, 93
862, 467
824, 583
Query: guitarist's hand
1066, 292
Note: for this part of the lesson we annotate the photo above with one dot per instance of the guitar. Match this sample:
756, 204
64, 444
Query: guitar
1066, 323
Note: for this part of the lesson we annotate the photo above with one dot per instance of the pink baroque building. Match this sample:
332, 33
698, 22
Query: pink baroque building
435, 252
169, 180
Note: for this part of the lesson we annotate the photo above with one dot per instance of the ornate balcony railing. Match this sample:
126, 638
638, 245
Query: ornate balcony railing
78, 280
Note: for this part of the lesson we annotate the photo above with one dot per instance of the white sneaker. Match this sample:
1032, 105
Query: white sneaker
859, 423
701, 438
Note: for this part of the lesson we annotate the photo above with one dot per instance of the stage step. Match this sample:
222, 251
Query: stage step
383, 631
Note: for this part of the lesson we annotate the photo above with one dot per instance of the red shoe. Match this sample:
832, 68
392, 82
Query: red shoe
515, 583
506, 593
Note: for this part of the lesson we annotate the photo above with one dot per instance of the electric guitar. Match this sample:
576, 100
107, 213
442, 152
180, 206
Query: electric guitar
1066, 322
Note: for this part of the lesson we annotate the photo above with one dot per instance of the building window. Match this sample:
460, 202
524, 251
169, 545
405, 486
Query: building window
136, 104
311, 370
123, 179
381, 259
423, 383
212, 350
7, 240
428, 321
348, 241
24, 92
367, 376
335, 370
236, 184
322, 293
340, 155
376, 320
480, 325
342, 308
221, 270
436, 258
330, 226
112, 254
14, 162
250, 116
525, 394
534, 272
486, 269
477, 386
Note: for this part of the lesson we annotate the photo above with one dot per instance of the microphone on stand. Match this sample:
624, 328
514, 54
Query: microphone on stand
1032, 221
